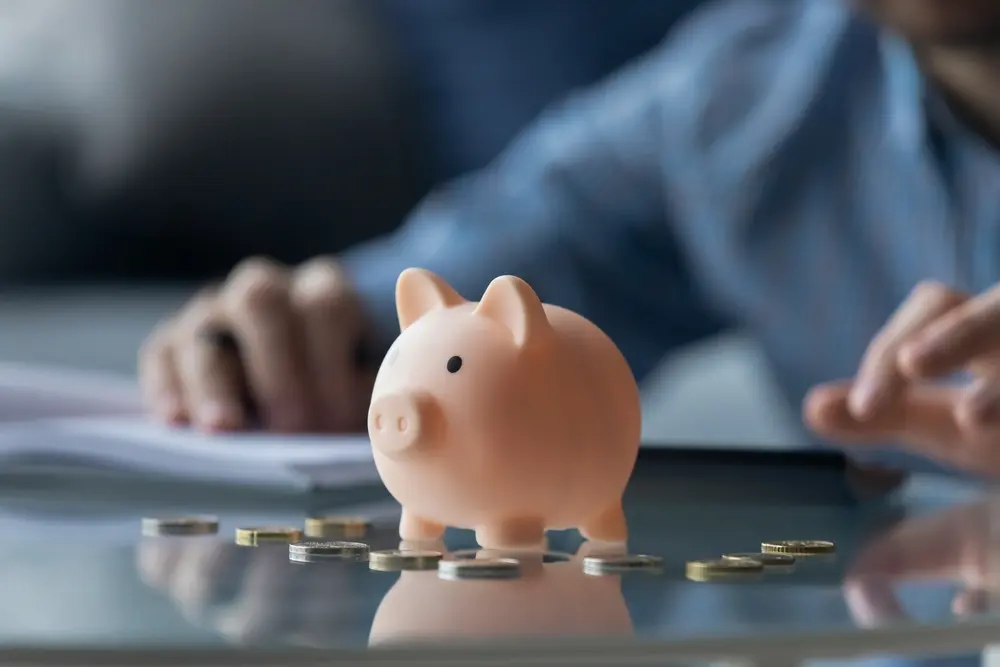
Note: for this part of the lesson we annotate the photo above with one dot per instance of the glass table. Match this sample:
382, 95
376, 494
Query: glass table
912, 577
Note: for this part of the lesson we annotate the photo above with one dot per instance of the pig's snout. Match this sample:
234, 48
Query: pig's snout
397, 422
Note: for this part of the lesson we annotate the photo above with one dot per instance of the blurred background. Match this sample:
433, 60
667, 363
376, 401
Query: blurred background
148, 146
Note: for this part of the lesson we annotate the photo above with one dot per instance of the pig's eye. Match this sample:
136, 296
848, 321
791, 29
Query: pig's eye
454, 364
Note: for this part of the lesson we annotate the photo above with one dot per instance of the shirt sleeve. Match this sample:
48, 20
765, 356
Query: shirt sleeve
576, 206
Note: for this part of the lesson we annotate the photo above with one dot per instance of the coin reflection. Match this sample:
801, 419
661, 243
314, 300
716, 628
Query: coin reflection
553, 597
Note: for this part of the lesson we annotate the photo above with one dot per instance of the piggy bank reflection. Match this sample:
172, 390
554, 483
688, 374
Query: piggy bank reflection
550, 599
507, 416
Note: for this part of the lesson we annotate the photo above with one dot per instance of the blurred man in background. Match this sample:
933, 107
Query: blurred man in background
144, 139
822, 174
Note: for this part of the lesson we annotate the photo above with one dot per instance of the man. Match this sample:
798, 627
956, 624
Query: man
799, 169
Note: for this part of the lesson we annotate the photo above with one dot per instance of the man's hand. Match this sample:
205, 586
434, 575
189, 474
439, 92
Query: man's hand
297, 334
895, 397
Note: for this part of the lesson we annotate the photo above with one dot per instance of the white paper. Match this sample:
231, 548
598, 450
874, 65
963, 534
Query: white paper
125, 444
67, 420
33, 392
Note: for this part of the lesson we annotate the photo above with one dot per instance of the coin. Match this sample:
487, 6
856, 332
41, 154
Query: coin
251, 537
708, 570
546, 557
479, 568
799, 547
768, 560
183, 525
404, 559
337, 526
329, 548
621, 563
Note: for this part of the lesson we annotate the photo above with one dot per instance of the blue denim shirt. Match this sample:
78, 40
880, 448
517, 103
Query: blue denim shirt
774, 166
480, 70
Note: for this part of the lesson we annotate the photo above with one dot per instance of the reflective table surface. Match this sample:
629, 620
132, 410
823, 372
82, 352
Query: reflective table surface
912, 576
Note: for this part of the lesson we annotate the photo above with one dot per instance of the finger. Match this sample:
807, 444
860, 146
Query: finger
256, 302
211, 375
979, 409
322, 298
872, 602
161, 386
878, 377
929, 421
921, 416
956, 339
970, 602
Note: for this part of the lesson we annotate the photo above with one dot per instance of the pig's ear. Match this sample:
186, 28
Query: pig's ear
512, 303
418, 292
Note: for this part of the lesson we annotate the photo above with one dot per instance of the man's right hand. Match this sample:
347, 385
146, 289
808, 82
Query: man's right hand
296, 366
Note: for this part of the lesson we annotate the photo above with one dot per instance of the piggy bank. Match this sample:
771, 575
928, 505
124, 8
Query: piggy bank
507, 417
551, 600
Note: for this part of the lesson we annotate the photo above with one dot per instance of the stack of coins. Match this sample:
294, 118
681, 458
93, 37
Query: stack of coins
617, 564
252, 537
723, 568
185, 525
799, 547
308, 552
479, 568
396, 560
350, 527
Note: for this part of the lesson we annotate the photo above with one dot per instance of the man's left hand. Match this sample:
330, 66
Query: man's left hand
897, 395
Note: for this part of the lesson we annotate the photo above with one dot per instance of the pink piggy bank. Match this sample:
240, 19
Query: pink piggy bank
508, 417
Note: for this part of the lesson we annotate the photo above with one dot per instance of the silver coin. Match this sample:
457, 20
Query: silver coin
622, 563
479, 568
546, 557
330, 549
182, 525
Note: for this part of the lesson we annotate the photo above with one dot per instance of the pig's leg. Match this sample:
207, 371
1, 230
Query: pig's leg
511, 533
608, 526
415, 529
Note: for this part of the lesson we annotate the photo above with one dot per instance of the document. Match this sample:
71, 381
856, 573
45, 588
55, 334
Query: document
135, 445
65, 421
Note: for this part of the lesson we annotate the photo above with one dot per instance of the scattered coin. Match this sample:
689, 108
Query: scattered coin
768, 560
799, 547
396, 560
612, 564
251, 537
479, 568
184, 525
337, 526
722, 568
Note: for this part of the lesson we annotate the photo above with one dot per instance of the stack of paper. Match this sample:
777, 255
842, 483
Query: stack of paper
57, 421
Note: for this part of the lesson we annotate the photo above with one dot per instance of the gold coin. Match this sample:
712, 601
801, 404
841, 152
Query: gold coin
251, 537
396, 560
766, 559
723, 568
621, 563
183, 525
799, 547
337, 526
